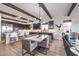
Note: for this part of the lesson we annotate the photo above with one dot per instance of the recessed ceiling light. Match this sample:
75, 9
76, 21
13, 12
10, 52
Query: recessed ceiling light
40, 17
35, 18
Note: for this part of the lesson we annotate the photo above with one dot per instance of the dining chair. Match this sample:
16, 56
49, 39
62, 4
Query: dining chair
29, 46
13, 36
44, 45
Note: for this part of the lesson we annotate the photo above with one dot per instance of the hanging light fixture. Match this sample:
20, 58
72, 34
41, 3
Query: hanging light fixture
35, 19
39, 14
42, 19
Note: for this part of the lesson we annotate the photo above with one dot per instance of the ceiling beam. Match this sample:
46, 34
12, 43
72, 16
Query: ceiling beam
11, 15
2, 12
12, 19
45, 9
20, 10
71, 8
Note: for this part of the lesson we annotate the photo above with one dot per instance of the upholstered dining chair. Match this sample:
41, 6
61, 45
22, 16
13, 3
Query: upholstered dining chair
13, 36
44, 45
29, 46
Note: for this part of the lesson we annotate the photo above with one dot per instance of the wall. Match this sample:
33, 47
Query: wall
75, 24
58, 20
74, 16
75, 19
0, 28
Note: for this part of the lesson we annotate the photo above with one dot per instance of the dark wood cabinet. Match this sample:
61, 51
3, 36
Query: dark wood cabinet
36, 26
51, 24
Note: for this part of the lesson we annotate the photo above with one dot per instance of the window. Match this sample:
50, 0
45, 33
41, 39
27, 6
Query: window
44, 27
67, 26
7, 28
3, 29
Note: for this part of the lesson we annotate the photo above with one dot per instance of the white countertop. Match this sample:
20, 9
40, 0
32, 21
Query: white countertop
36, 38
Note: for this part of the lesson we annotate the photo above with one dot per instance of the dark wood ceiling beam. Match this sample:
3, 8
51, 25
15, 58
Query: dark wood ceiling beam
11, 15
12, 19
20, 10
45, 9
8, 14
71, 8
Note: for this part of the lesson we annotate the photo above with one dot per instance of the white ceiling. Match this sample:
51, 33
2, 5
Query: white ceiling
75, 15
75, 12
58, 9
32, 8
55, 9
29, 7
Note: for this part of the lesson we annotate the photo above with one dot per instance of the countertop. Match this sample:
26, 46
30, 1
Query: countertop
38, 30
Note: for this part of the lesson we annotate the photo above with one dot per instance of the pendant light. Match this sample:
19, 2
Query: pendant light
39, 14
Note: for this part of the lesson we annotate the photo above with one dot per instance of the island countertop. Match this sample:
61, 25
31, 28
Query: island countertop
39, 31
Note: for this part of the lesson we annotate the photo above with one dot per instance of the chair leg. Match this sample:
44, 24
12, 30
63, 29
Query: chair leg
30, 53
22, 52
43, 48
26, 52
